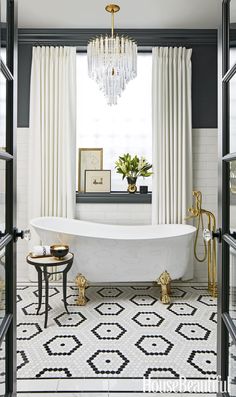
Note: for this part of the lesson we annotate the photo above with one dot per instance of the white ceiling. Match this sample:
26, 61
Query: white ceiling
159, 14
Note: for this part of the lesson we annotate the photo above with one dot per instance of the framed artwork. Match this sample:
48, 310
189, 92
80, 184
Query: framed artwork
89, 159
97, 181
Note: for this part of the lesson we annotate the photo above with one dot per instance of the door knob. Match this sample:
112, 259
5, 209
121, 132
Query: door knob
23, 234
2, 234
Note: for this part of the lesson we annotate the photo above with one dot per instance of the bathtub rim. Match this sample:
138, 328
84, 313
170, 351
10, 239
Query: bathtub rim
189, 230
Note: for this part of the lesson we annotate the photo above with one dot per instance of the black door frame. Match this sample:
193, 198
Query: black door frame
226, 326
8, 326
11, 362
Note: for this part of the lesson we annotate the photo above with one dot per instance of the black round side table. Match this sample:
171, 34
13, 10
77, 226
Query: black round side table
42, 265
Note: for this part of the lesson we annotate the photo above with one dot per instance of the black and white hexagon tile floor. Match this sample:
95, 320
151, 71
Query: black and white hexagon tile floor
122, 332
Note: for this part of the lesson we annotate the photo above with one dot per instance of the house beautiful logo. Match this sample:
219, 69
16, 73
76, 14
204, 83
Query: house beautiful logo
212, 384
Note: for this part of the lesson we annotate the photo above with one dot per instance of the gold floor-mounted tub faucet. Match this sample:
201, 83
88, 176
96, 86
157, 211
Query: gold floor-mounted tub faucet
209, 243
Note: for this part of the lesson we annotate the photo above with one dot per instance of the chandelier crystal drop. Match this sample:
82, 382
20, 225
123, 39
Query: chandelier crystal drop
112, 61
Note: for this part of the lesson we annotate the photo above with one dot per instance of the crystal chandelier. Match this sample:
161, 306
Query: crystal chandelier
112, 61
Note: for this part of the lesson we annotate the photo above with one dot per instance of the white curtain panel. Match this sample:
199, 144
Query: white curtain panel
52, 142
172, 134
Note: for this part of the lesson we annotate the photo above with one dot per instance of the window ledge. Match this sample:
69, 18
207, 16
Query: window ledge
113, 198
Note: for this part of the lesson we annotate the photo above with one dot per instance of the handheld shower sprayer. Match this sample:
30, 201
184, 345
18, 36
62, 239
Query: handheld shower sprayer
209, 244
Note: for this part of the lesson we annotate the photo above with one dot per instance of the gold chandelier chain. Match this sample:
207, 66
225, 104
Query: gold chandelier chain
112, 24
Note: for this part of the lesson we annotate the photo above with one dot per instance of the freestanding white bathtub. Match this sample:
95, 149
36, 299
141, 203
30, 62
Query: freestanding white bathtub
114, 253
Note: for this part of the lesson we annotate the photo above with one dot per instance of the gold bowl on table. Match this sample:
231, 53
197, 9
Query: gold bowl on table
59, 251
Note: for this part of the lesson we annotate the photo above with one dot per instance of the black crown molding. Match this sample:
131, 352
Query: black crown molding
144, 37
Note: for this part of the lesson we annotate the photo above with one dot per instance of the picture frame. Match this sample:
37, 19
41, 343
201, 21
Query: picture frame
89, 159
97, 181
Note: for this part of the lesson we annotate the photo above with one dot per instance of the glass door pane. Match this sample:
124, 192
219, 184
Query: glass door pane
3, 6
232, 32
2, 286
232, 84
232, 105
3, 91
232, 285
2, 369
232, 368
232, 184
2, 196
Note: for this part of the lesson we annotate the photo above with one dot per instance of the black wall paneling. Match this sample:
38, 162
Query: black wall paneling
204, 62
24, 72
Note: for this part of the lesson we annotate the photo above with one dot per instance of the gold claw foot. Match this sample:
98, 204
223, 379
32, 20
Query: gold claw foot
212, 288
164, 281
81, 284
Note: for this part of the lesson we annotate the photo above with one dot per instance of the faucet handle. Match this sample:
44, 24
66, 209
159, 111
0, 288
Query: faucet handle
210, 235
193, 211
207, 235
27, 234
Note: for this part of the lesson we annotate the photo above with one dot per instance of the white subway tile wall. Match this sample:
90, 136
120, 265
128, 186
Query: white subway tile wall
22, 200
204, 179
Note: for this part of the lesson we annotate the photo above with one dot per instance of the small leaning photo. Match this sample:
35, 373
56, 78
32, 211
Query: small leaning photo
97, 181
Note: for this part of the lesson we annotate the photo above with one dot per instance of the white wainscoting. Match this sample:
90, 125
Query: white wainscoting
204, 179
121, 214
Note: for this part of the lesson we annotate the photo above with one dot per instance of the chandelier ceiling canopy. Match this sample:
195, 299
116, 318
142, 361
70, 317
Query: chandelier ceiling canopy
112, 61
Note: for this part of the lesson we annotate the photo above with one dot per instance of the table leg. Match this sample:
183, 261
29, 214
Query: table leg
64, 290
65, 285
39, 270
46, 277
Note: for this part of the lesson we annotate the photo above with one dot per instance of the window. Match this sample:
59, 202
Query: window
125, 127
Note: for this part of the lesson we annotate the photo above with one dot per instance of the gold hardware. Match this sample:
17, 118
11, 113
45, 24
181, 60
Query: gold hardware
59, 251
82, 285
132, 188
164, 281
210, 247
112, 8
197, 213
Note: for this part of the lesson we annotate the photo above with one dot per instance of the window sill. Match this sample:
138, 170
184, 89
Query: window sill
113, 198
